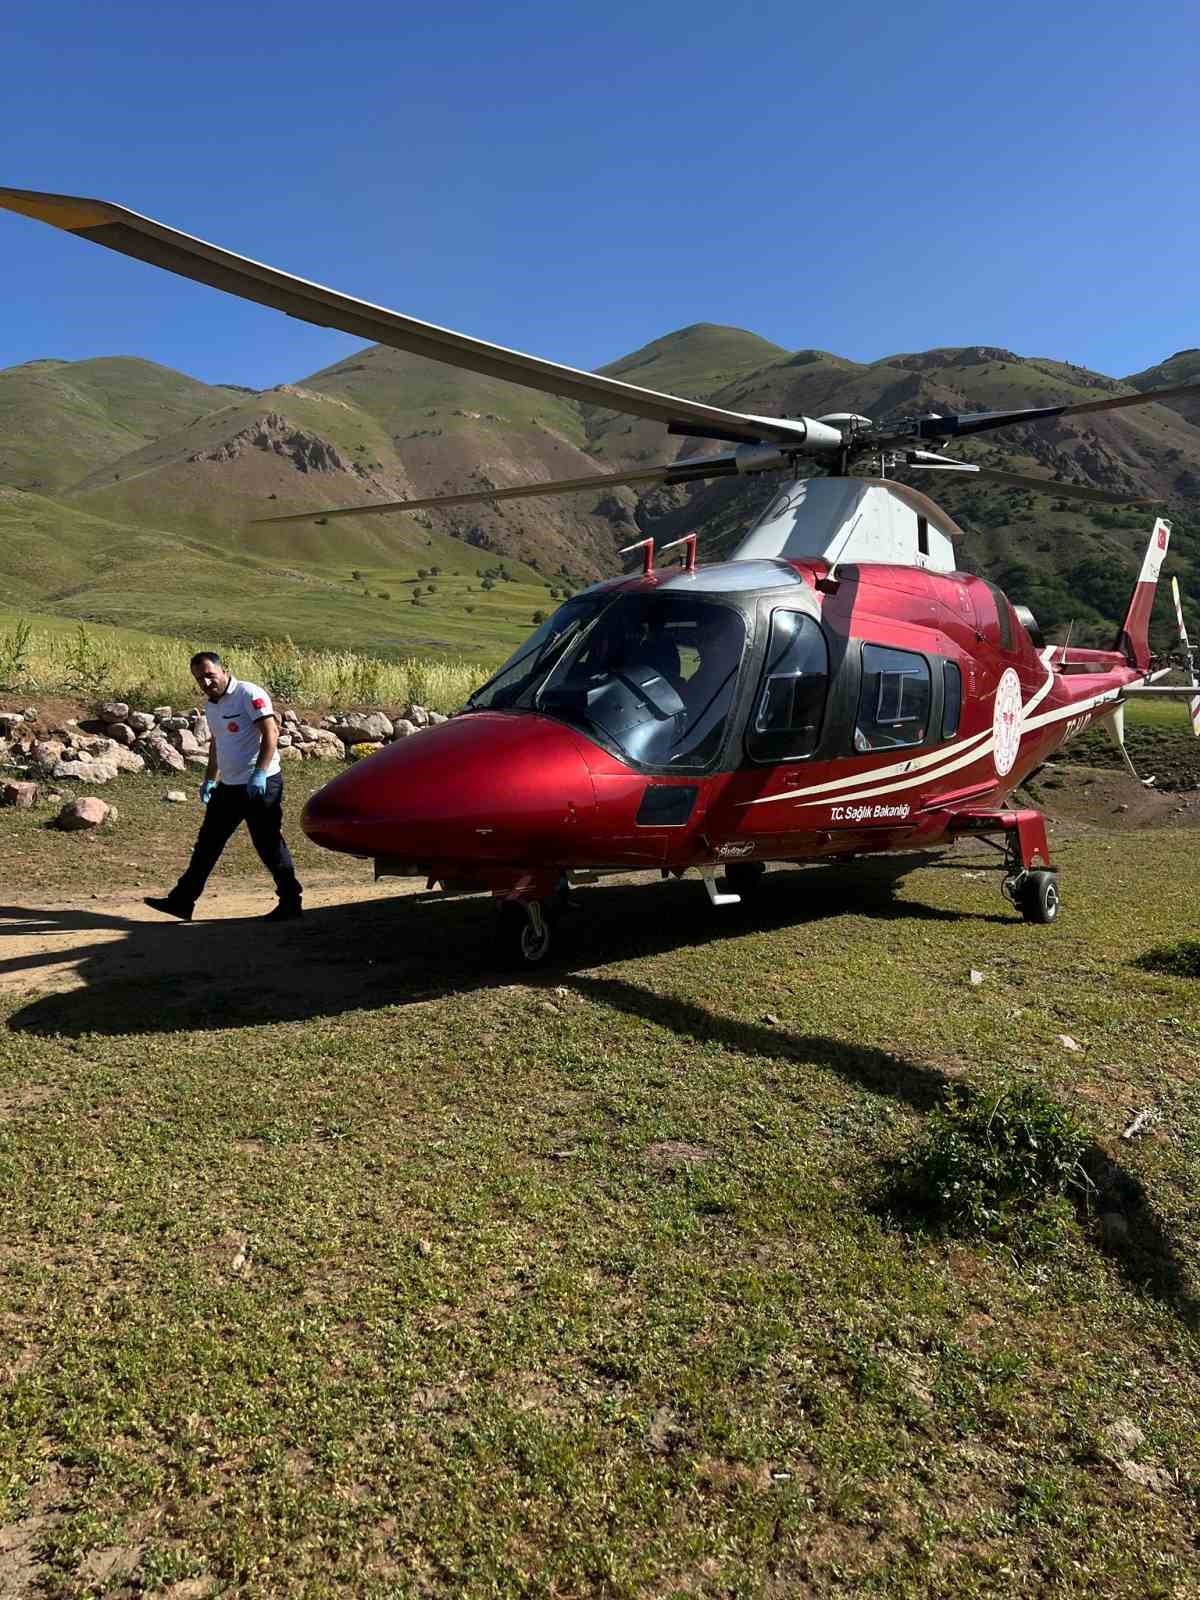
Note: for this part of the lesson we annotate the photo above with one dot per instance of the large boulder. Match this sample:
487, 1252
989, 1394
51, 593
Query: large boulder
418, 715
122, 734
404, 729
87, 812
125, 760
370, 727
46, 754
173, 724
324, 746
141, 721
113, 711
85, 771
184, 739
158, 754
21, 795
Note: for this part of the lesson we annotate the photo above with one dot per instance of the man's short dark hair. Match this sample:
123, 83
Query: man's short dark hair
205, 655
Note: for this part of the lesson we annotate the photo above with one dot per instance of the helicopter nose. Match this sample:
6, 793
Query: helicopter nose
484, 787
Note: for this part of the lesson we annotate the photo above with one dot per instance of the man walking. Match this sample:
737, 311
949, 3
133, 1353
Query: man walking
242, 783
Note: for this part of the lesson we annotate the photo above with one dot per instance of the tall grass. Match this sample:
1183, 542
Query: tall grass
110, 663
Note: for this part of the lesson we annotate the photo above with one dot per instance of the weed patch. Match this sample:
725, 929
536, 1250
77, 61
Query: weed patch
999, 1165
1178, 960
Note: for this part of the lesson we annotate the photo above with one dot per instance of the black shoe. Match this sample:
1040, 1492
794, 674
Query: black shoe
173, 908
285, 911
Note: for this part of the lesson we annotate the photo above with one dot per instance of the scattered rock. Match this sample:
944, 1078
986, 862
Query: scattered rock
1119, 1439
668, 1155
113, 711
162, 712
1114, 1229
85, 771
9, 720
141, 721
159, 754
88, 812
1067, 1042
976, 977
176, 797
404, 729
21, 795
1146, 1476
122, 733
184, 740
373, 728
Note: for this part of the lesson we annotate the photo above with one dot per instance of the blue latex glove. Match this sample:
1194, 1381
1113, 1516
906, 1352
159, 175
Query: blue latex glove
207, 790
257, 787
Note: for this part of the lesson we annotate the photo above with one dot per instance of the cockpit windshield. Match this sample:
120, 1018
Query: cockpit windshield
651, 674
526, 667
654, 675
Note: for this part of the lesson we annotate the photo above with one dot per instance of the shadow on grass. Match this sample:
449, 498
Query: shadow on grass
163, 976
160, 977
1142, 1251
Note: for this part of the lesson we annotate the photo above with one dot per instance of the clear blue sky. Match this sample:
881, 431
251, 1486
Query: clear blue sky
575, 181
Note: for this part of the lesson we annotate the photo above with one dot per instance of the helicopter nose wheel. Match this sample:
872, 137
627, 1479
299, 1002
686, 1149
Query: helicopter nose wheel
527, 930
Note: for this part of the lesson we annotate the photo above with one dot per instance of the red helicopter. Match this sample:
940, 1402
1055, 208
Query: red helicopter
836, 688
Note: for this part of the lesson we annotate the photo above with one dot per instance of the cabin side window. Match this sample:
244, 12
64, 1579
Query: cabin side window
951, 699
790, 707
893, 703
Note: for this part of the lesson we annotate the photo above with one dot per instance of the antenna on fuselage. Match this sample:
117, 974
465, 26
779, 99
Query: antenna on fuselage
646, 546
689, 561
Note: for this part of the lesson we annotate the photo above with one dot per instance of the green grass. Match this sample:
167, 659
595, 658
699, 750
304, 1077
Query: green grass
70, 563
98, 662
357, 1270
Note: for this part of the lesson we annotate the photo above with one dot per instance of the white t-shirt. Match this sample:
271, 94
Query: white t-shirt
234, 724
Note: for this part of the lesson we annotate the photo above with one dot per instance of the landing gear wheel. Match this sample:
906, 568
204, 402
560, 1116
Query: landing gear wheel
745, 877
1037, 897
525, 932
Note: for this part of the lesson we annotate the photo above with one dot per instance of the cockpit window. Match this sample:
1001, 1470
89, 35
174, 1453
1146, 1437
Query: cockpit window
654, 675
791, 702
893, 704
526, 667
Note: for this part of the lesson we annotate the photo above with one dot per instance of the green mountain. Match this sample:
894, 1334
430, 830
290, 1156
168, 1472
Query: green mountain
62, 419
149, 485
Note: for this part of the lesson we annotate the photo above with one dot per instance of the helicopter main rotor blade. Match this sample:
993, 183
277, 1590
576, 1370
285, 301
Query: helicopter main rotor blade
962, 424
141, 237
722, 466
1020, 480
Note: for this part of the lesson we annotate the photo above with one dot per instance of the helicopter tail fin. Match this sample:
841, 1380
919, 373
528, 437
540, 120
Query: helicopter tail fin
1134, 638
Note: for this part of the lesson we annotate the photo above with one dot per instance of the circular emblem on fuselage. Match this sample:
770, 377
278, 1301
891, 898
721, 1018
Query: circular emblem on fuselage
1006, 722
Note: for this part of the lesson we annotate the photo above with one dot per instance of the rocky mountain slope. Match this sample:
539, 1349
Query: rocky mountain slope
127, 444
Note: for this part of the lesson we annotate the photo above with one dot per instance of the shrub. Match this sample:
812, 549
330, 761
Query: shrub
15, 657
277, 662
88, 669
1179, 960
997, 1165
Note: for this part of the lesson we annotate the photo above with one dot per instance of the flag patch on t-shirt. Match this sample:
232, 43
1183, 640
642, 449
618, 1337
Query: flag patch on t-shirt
258, 704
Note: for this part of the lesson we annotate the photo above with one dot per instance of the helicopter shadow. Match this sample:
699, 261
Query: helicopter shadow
1144, 1253
137, 977
142, 978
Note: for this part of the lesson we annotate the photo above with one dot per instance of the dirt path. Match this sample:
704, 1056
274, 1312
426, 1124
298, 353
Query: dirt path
55, 945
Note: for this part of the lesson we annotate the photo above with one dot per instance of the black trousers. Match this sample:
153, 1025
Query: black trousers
230, 805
